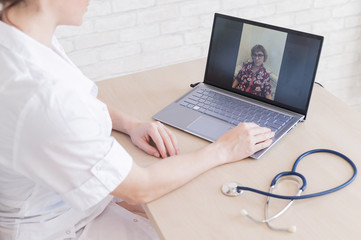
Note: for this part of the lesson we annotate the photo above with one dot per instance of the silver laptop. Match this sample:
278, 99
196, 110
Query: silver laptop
255, 72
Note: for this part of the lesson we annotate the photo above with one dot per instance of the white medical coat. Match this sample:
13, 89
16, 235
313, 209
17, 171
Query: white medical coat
58, 162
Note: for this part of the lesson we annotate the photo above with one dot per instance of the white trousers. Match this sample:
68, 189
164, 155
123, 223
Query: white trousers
117, 223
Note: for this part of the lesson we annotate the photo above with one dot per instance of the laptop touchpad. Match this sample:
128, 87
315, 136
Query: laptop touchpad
208, 128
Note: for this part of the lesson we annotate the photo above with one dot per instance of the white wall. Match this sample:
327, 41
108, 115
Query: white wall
120, 37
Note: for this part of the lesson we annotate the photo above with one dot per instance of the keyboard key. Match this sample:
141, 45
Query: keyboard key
191, 101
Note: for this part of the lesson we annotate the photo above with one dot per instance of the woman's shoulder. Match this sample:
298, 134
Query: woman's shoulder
19, 76
247, 64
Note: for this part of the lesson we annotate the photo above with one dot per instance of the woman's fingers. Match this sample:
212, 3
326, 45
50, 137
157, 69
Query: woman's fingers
173, 141
164, 140
245, 139
261, 134
148, 148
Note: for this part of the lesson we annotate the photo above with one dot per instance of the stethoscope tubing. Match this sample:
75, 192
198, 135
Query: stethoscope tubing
293, 172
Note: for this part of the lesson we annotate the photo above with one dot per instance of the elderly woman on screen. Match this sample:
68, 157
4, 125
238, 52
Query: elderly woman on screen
253, 77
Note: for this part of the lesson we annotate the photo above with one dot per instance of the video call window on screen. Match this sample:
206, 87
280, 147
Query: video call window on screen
259, 61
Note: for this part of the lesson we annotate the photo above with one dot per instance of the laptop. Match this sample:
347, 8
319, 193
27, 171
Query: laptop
255, 72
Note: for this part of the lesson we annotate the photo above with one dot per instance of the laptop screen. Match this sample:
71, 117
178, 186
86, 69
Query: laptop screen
267, 63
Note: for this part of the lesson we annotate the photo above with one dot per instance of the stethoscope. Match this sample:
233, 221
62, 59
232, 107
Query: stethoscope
234, 189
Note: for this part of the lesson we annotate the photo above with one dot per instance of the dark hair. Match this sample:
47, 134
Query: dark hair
7, 4
259, 48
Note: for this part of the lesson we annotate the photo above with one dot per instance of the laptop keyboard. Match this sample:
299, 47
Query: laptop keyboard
232, 110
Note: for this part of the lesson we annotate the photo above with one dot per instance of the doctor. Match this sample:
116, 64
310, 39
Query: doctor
59, 166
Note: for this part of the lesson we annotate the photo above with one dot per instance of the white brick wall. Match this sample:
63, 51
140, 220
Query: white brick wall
120, 37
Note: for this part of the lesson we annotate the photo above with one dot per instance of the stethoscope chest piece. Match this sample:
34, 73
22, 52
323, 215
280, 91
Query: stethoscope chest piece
230, 189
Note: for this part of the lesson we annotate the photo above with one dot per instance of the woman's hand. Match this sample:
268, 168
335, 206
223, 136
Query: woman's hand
243, 140
154, 138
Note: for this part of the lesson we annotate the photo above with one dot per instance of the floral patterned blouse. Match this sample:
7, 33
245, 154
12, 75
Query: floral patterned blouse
258, 83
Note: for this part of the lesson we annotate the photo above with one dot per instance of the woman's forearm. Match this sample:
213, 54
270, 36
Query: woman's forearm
121, 122
146, 184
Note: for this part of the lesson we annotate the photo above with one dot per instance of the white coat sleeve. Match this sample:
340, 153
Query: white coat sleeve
63, 142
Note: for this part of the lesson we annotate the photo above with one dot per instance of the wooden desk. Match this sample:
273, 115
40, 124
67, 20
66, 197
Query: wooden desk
199, 210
